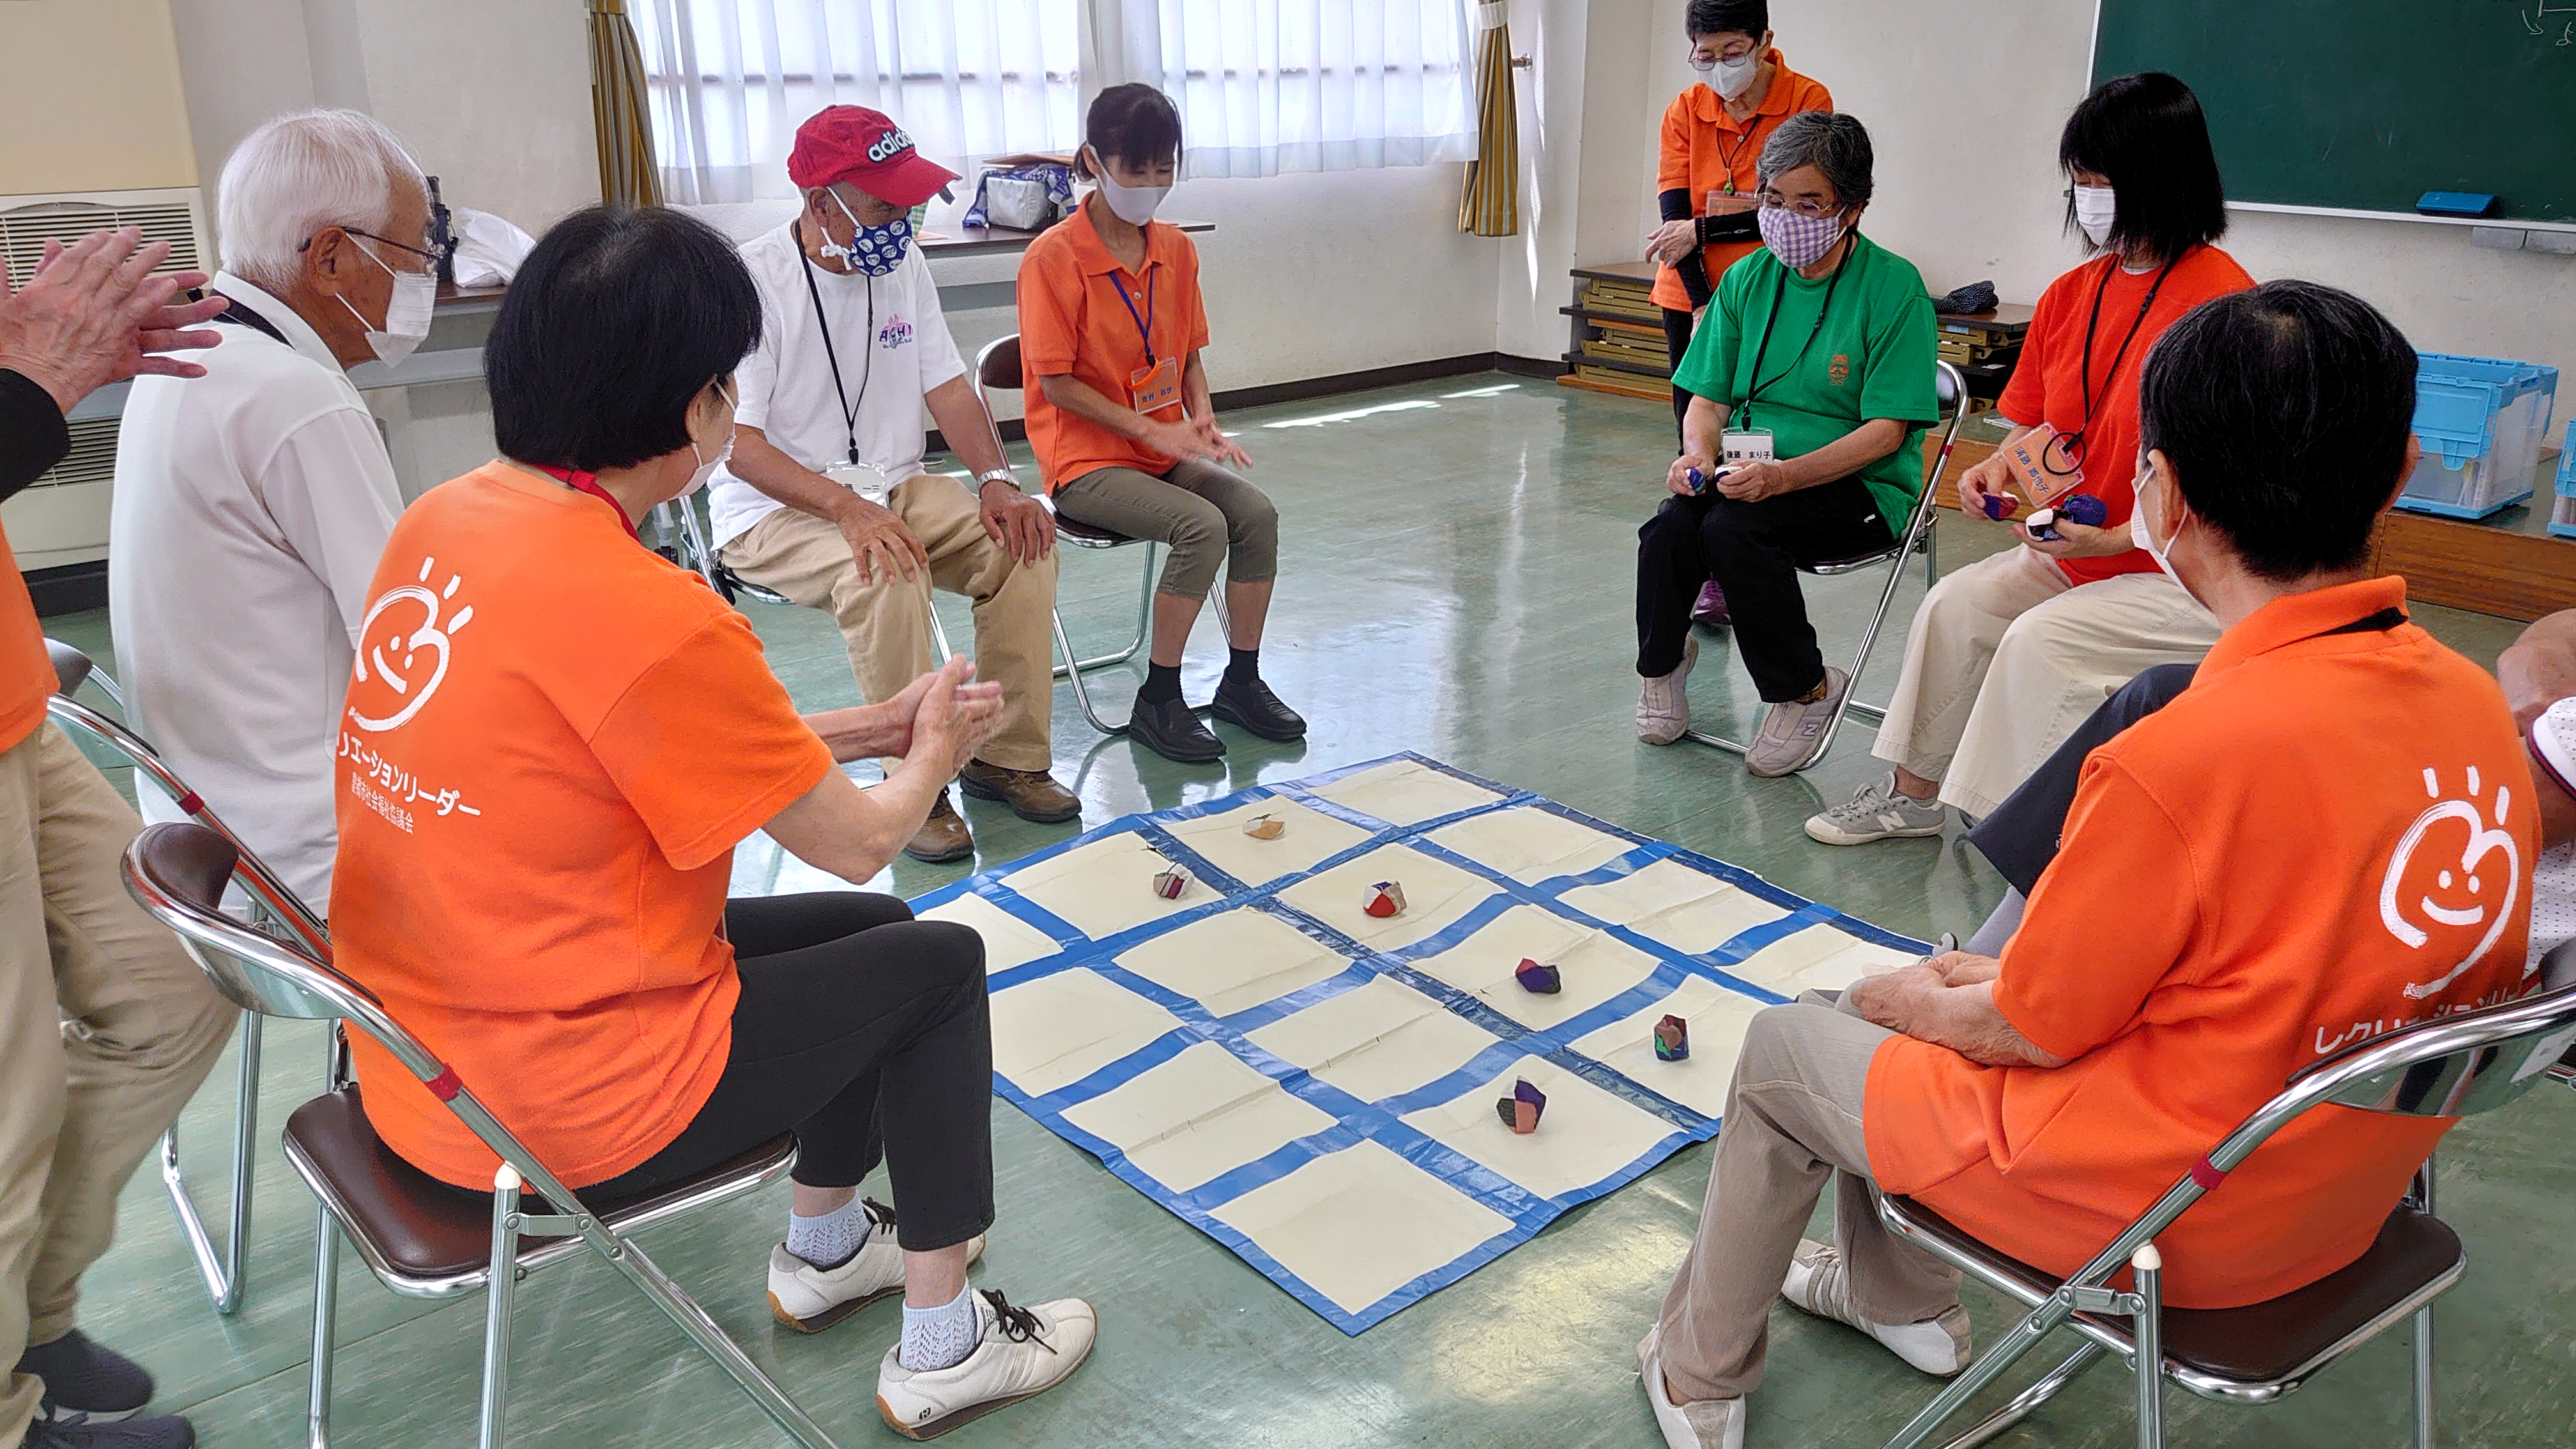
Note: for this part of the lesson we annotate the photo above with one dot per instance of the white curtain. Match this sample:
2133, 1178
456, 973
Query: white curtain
1267, 86
730, 81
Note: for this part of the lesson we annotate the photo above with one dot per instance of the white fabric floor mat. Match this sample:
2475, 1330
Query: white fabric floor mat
1314, 1085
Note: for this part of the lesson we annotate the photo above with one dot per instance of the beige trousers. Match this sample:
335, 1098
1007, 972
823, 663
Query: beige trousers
887, 623
1793, 1119
2005, 659
106, 1030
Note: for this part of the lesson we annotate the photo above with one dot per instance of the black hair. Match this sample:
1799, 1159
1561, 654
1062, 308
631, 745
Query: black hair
614, 324
2147, 134
1727, 17
2285, 411
1134, 123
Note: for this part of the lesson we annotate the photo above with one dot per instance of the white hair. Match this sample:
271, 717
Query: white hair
297, 174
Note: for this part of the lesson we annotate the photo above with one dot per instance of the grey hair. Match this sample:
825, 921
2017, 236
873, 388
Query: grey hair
1833, 143
297, 174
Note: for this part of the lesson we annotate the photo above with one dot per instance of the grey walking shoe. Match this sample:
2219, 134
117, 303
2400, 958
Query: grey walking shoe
1793, 734
1878, 811
1820, 1283
1663, 702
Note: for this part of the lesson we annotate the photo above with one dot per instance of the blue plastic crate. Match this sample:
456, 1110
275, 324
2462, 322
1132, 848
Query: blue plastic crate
2562, 522
2481, 420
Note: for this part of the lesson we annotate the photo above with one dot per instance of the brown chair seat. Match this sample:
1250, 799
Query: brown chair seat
1854, 561
2278, 1341
426, 1229
1085, 535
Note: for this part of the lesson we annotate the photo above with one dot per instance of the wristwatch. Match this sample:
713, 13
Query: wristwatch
997, 475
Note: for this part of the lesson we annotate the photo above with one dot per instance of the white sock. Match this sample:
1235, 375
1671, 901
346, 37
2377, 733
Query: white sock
832, 1239
938, 1338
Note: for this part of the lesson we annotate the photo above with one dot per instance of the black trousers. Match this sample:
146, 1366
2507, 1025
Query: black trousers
866, 1033
1753, 551
2023, 834
1677, 338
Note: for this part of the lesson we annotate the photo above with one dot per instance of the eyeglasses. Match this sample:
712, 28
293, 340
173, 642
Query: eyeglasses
1732, 55
1803, 206
425, 254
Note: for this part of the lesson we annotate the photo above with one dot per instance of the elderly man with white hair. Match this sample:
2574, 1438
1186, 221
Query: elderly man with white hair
251, 504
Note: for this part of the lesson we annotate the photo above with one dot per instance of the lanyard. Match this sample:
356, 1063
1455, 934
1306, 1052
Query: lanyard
2072, 444
867, 352
589, 483
1779, 287
235, 312
1144, 322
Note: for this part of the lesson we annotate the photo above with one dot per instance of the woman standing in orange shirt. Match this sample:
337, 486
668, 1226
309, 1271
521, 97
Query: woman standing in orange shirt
1713, 135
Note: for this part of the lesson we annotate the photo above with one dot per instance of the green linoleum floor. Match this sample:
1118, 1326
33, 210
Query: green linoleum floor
1456, 580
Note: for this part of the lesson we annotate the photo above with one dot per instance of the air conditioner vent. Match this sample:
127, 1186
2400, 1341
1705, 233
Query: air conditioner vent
92, 458
163, 216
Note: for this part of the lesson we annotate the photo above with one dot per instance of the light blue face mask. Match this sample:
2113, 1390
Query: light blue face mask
873, 251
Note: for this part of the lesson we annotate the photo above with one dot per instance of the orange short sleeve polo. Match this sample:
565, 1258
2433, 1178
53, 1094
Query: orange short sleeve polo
1704, 149
1084, 315
552, 741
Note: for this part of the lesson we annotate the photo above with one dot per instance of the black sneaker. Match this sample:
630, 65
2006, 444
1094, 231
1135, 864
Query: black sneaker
80, 1431
84, 1377
1249, 705
1169, 729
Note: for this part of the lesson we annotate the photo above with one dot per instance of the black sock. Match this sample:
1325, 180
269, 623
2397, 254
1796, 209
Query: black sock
1243, 665
1162, 683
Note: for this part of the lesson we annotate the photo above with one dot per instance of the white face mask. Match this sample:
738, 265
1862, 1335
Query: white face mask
406, 314
2139, 532
1133, 205
2095, 208
724, 453
1731, 78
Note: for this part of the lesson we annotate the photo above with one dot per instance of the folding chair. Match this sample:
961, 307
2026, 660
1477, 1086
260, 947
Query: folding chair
1953, 392
273, 907
421, 1237
2451, 1066
997, 369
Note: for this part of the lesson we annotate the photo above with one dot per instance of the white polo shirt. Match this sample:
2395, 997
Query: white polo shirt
250, 508
893, 346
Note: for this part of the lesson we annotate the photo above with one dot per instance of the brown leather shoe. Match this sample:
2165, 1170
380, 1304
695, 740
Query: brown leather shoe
943, 837
1032, 794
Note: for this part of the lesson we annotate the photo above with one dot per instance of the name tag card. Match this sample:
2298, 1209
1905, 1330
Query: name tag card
1746, 445
2042, 471
1156, 388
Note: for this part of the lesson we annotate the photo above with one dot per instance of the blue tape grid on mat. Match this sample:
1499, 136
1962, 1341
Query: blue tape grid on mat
1382, 1122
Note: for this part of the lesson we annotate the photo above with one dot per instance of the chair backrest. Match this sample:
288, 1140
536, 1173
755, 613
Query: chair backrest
177, 873
70, 665
997, 366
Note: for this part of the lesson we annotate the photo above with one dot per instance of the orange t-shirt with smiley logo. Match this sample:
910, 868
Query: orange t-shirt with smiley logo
2328, 836
552, 741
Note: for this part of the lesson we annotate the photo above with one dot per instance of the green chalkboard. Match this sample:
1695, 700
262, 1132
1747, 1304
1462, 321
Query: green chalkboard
2368, 104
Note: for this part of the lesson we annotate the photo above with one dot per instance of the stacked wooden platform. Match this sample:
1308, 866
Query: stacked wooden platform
1617, 343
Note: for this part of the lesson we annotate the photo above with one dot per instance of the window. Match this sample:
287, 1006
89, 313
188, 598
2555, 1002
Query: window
1265, 86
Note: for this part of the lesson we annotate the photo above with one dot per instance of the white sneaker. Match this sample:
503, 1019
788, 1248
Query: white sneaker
1793, 734
1705, 1424
1663, 703
1025, 1352
1878, 811
1818, 1283
810, 1299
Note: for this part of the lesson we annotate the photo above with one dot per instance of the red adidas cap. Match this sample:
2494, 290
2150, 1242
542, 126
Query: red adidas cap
868, 150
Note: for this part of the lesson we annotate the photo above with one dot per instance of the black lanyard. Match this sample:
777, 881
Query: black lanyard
2072, 444
1779, 288
238, 314
1145, 322
2379, 623
867, 350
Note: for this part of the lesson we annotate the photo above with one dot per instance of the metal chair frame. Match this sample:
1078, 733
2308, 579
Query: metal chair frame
1918, 537
274, 977
689, 541
273, 907
1083, 535
2452, 1066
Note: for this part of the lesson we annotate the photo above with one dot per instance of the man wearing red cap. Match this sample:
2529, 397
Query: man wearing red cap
825, 501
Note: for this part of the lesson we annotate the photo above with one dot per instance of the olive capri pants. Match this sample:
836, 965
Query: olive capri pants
1206, 514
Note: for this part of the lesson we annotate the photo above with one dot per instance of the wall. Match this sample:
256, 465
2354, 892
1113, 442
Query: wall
1964, 99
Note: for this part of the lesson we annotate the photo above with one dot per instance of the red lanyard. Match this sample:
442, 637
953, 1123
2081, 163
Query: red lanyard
589, 483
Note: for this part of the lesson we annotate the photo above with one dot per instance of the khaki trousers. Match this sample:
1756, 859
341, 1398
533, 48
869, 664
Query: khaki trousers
887, 623
106, 1029
1793, 1119
2005, 659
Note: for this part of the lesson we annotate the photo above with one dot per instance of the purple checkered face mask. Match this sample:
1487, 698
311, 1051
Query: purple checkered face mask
1797, 239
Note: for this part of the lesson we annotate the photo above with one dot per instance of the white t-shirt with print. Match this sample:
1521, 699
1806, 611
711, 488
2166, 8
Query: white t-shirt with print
893, 345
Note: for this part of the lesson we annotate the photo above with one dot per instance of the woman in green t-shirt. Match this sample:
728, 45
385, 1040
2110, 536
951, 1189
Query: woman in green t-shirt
1812, 368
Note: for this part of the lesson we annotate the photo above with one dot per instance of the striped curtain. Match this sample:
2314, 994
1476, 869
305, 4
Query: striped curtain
1491, 203
627, 174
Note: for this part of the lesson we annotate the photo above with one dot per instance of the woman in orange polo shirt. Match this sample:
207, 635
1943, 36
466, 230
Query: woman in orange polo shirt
553, 740
1713, 136
2008, 655
1111, 328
